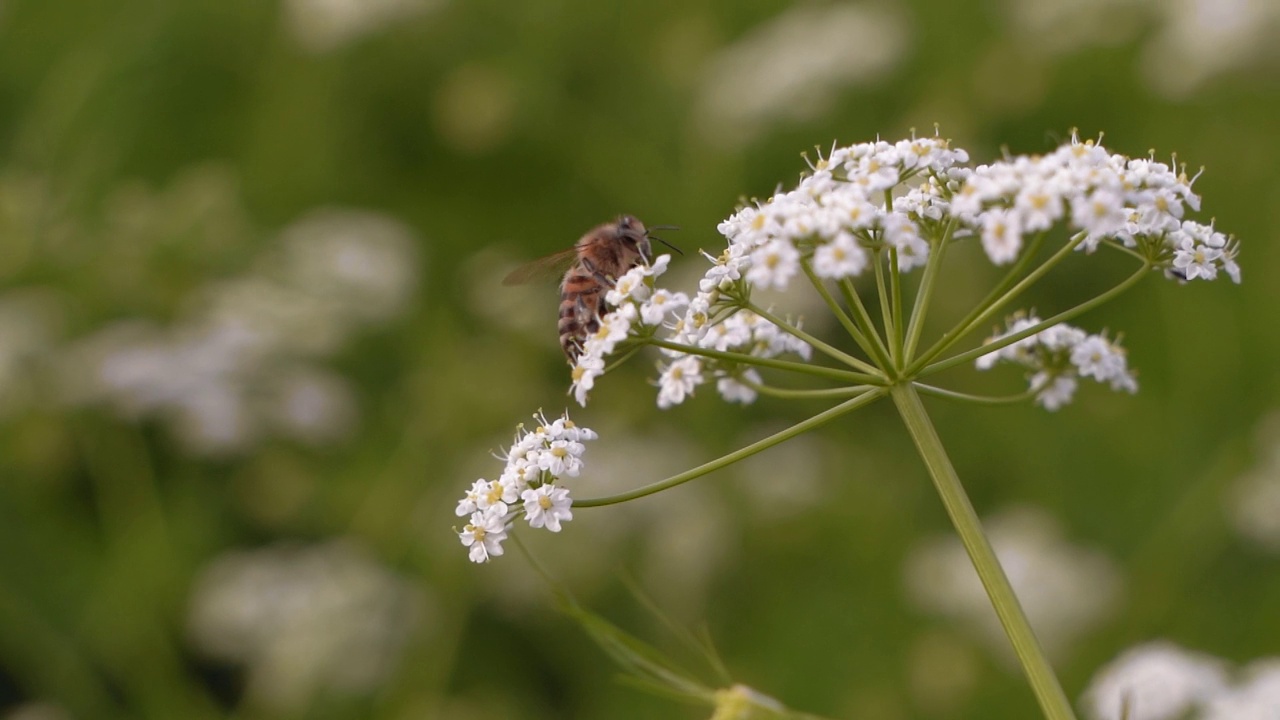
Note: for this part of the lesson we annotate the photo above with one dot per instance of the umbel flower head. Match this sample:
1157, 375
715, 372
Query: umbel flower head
529, 484
868, 229
885, 209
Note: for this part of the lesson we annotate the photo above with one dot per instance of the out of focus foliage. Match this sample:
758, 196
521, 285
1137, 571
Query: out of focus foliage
253, 346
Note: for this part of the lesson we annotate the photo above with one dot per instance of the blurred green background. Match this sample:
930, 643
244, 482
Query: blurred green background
254, 347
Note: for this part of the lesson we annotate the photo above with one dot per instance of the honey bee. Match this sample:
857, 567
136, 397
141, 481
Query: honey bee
594, 263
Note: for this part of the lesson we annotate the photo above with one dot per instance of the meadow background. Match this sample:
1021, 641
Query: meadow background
254, 346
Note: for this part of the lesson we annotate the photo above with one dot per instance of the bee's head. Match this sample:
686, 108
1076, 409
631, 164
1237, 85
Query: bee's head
634, 237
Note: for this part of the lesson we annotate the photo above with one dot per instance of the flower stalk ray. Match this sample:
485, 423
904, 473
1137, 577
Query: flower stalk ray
866, 398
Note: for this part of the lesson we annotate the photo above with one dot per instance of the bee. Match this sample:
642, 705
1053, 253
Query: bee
594, 263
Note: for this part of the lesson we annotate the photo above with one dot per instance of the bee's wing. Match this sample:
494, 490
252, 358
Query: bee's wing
551, 267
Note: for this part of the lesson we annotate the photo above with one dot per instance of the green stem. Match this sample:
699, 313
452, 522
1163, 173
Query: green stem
1000, 295
616, 362
805, 394
1128, 251
826, 349
1048, 692
921, 306
886, 310
978, 399
895, 293
1038, 327
801, 427
803, 368
841, 315
860, 315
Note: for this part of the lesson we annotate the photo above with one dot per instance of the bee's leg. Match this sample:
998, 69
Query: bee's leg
600, 277
588, 318
573, 350
581, 312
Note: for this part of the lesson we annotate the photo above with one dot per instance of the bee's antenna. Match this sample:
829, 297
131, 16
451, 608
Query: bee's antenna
664, 242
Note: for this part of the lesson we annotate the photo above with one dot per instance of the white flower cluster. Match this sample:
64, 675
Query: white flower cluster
1161, 681
244, 363
303, 620
636, 305
1058, 357
322, 26
1067, 589
1253, 504
1139, 202
838, 212
893, 202
743, 332
832, 212
536, 462
836, 215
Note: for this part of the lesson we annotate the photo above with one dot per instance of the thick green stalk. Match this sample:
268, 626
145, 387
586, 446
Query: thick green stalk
1048, 692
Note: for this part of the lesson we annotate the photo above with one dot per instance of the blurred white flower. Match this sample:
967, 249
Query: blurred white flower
240, 362
323, 25
1253, 503
364, 261
1155, 681
1161, 681
312, 405
1256, 697
793, 66
29, 324
304, 618
267, 316
1200, 39
785, 480
1054, 27
1185, 43
1066, 590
